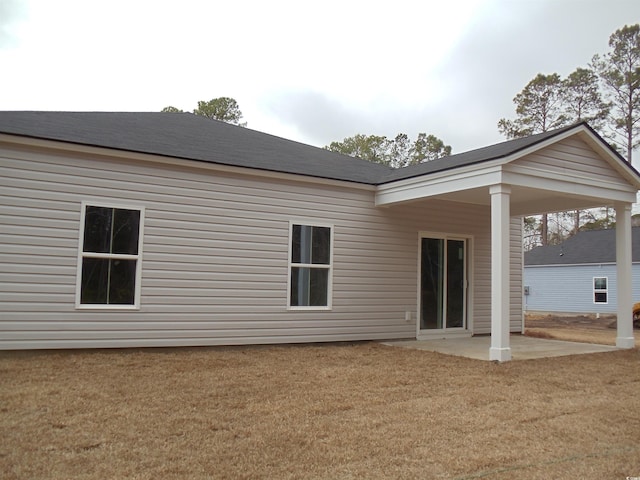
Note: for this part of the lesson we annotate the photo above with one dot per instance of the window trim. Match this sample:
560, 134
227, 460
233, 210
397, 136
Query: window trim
81, 255
600, 290
329, 267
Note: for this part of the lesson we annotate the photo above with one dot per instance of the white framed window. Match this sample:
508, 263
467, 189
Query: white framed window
600, 290
310, 266
109, 256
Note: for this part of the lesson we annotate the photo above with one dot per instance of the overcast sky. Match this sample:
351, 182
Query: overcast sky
305, 70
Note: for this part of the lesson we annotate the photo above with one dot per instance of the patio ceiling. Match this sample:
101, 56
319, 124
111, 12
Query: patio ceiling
527, 200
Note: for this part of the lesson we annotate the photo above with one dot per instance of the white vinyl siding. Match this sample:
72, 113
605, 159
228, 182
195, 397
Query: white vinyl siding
570, 160
516, 319
216, 247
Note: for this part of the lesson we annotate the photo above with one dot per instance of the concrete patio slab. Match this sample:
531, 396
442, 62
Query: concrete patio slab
522, 347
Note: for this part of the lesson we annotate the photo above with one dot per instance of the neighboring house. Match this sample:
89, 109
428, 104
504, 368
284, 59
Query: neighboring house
579, 275
158, 229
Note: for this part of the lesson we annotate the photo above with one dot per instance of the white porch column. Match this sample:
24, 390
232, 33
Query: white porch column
623, 263
500, 348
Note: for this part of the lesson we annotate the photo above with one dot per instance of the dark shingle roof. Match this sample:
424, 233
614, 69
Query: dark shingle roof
591, 246
188, 136
184, 135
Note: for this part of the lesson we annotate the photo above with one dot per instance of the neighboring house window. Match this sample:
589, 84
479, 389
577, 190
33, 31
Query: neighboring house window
109, 259
310, 266
600, 290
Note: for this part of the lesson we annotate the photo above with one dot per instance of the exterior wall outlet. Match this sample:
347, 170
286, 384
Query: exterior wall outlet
407, 316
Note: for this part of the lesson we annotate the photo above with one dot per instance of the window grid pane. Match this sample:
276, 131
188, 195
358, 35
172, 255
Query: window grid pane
600, 297
600, 283
299, 286
306, 233
126, 225
95, 281
122, 282
295, 243
318, 287
321, 246
97, 229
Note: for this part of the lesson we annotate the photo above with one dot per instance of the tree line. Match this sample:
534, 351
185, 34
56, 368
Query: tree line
606, 94
394, 152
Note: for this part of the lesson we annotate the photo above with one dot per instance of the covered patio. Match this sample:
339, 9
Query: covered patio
567, 169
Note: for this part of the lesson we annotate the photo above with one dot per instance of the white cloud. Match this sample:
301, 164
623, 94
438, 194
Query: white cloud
310, 71
12, 12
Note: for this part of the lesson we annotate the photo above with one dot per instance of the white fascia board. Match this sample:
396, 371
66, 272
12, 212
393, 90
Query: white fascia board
59, 145
603, 191
538, 175
438, 184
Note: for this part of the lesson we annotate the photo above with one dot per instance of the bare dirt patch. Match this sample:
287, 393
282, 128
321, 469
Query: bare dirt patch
317, 411
576, 328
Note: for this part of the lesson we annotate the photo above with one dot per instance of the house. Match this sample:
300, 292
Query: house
158, 229
579, 275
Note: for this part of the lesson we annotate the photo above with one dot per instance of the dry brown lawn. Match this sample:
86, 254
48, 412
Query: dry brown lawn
348, 411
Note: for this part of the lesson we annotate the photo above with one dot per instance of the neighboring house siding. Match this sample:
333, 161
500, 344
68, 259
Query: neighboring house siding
215, 255
569, 288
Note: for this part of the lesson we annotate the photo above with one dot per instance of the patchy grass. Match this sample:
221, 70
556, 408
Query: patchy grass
574, 328
573, 335
318, 411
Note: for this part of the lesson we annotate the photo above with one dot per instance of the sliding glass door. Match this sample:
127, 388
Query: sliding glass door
443, 283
